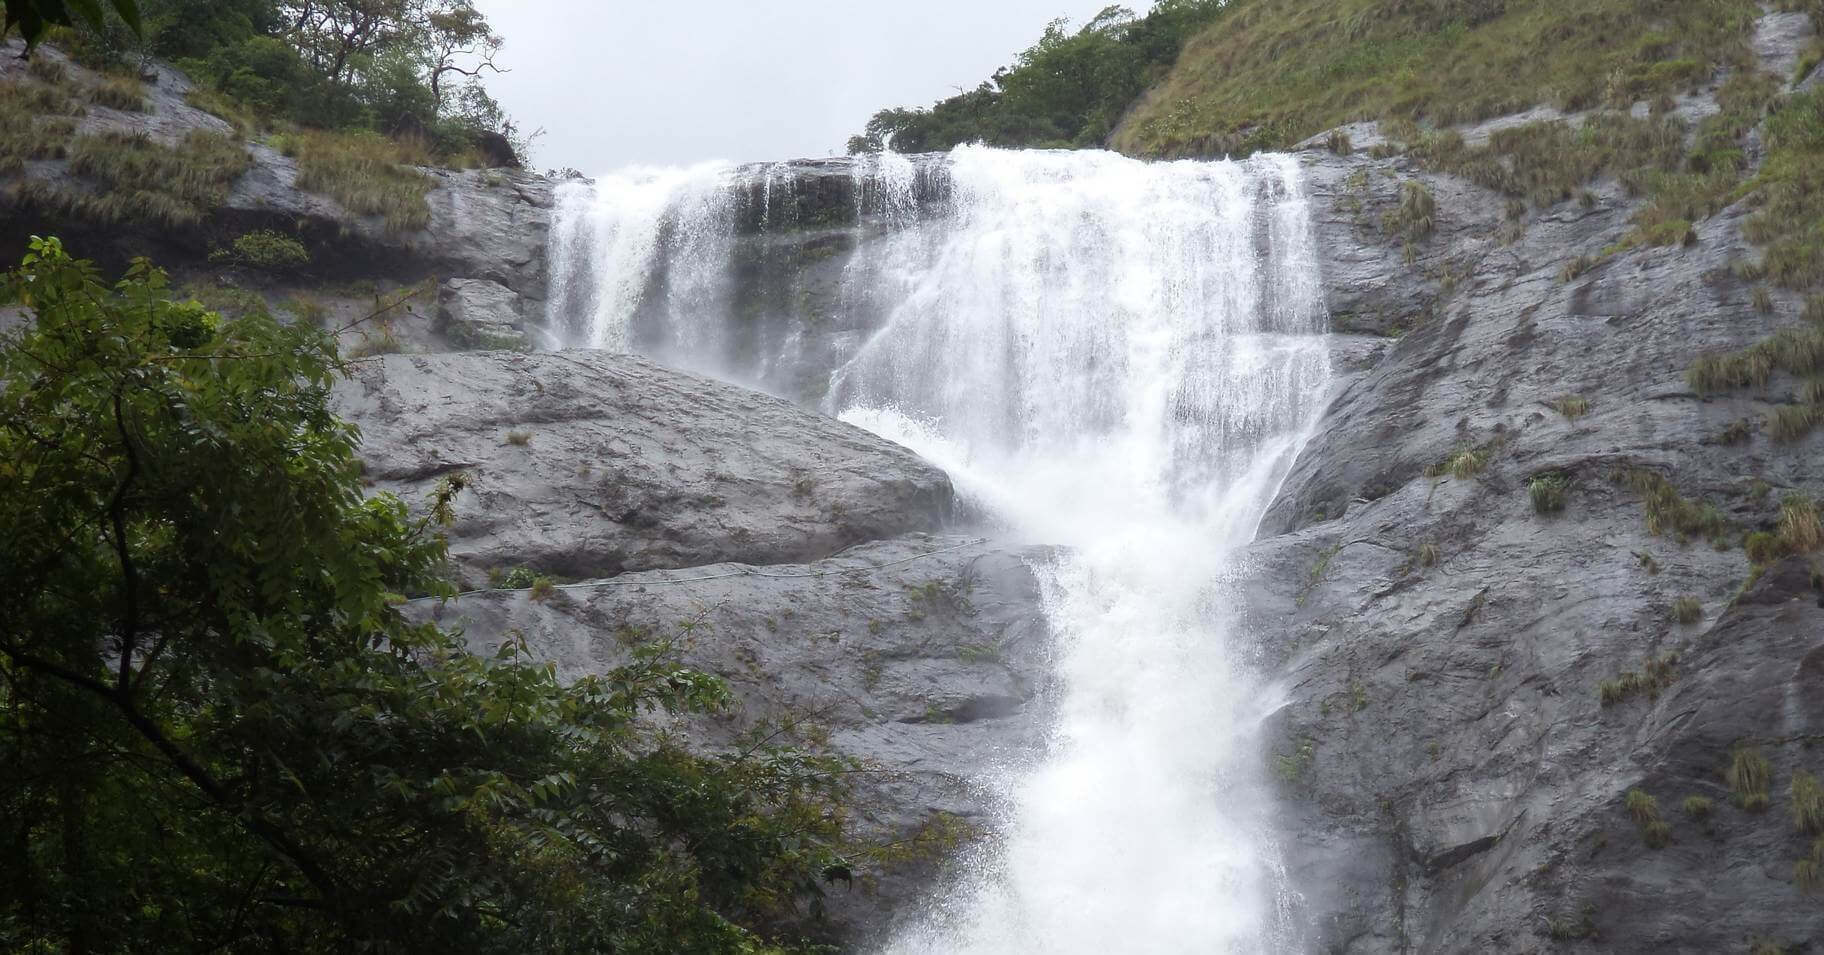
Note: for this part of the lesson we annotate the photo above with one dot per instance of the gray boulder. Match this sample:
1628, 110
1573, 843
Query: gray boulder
587, 464
480, 314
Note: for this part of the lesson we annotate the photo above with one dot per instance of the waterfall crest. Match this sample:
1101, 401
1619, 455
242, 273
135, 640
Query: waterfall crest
1114, 356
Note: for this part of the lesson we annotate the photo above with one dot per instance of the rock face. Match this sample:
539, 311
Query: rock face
1455, 779
919, 655
588, 464
488, 225
481, 313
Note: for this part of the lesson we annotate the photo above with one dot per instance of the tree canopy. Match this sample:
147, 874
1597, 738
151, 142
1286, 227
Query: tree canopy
220, 729
1068, 90
400, 67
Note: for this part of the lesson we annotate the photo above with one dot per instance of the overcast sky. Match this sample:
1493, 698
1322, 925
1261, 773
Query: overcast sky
680, 81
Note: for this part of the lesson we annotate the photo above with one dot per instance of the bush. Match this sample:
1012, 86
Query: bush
1687, 610
267, 751
264, 249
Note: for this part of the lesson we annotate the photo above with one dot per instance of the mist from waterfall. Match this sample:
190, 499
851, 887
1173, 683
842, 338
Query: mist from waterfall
1114, 356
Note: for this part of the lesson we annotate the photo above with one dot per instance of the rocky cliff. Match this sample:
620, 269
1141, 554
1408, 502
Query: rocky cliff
1540, 696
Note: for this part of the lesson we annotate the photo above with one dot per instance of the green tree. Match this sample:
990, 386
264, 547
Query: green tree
1067, 90
219, 728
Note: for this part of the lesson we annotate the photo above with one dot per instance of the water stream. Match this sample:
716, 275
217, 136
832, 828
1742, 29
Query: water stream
1114, 356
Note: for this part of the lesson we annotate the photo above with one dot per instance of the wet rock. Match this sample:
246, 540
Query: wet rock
1461, 783
480, 314
589, 464
921, 656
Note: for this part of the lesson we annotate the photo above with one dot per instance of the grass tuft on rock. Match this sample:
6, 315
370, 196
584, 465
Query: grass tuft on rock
1687, 610
118, 92
1749, 776
1571, 406
1669, 512
1660, 672
1547, 492
368, 174
1463, 464
142, 180
1807, 803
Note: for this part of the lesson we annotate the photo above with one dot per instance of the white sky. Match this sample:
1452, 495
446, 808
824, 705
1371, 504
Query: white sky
678, 81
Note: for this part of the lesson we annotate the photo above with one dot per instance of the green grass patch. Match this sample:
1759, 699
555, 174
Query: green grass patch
1462, 464
1794, 350
1789, 192
367, 173
1415, 217
1807, 803
117, 92
1571, 406
141, 180
263, 249
1547, 492
1669, 512
1272, 72
1749, 776
1644, 810
1657, 674
1687, 610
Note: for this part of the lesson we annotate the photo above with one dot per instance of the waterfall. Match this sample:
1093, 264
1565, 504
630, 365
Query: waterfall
1114, 356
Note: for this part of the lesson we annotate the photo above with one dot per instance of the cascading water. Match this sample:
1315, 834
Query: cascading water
1114, 356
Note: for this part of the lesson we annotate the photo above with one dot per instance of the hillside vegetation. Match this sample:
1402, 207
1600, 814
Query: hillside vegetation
1273, 72
1067, 90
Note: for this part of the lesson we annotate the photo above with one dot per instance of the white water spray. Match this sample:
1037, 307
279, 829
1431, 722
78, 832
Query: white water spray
1121, 358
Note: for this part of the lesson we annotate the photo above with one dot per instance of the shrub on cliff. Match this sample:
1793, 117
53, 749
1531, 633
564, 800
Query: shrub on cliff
220, 730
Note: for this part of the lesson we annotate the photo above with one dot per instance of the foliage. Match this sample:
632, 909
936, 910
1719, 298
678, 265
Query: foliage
1698, 807
1687, 610
1547, 492
220, 729
1571, 406
33, 17
1069, 89
365, 172
1789, 190
1463, 464
143, 180
1807, 803
1268, 73
264, 249
1670, 512
1416, 215
1749, 776
1644, 810
406, 68
118, 92
1661, 672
